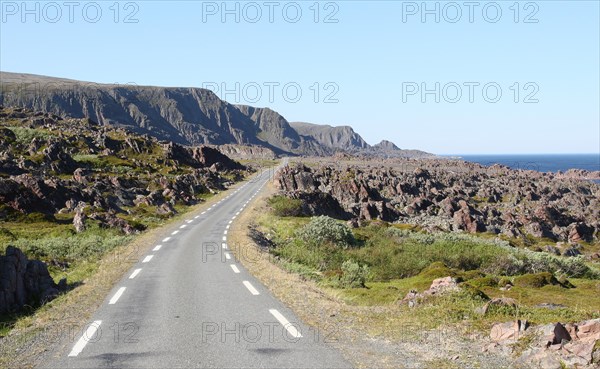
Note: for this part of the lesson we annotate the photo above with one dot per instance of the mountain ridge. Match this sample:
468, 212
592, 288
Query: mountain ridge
185, 115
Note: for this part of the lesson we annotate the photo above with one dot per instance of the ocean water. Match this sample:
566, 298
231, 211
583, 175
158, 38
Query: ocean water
540, 162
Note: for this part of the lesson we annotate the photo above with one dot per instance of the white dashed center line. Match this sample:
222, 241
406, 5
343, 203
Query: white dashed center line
147, 258
117, 295
135, 273
235, 269
285, 323
251, 288
88, 335
157, 248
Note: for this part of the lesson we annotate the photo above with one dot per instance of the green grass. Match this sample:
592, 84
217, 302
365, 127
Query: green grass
285, 207
402, 258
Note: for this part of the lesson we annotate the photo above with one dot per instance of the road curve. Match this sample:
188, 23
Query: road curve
189, 304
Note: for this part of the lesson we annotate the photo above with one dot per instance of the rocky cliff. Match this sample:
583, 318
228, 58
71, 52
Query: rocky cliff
190, 116
335, 138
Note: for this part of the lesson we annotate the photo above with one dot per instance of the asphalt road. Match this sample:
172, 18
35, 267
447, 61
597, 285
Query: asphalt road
189, 304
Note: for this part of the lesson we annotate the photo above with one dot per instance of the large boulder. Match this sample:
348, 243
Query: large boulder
23, 282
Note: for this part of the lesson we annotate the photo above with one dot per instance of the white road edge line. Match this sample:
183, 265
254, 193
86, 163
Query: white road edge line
189, 221
183, 226
135, 273
174, 233
228, 225
117, 295
224, 245
157, 248
251, 288
147, 258
85, 338
227, 256
285, 323
225, 232
235, 269
224, 238
166, 239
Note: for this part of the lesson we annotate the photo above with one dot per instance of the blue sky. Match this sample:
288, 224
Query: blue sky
369, 62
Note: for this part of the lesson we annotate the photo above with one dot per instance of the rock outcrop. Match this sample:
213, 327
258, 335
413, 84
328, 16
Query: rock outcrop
551, 345
24, 282
452, 196
99, 172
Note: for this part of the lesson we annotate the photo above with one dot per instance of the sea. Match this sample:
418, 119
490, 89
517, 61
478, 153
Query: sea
540, 162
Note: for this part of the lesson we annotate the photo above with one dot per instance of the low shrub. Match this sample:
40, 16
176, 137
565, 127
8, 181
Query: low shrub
353, 275
82, 246
522, 261
285, 207
324, 230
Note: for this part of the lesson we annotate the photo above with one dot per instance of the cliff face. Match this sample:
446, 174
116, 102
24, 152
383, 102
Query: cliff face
335, 138
191, 116
275, 129
184, 115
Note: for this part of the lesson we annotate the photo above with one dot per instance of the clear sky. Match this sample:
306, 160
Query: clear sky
369, 61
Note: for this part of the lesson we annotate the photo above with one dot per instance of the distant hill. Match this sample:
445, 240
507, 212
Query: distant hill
335, 138
185, 115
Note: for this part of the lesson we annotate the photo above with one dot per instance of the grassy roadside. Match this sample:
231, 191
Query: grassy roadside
368, 325
54, 327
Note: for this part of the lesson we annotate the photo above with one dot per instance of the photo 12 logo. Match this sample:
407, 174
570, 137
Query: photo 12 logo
471, 92
290, 92
269, 12
469, 12
69, 12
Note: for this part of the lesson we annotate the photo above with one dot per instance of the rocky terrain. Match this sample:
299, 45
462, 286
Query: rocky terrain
545, 346
56, 170
571, 345
190, 116
52, 165
246, 152
454, 196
